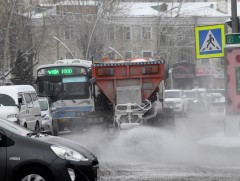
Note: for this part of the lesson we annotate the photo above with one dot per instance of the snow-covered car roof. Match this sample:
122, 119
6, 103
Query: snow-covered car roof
173, 90
13, 90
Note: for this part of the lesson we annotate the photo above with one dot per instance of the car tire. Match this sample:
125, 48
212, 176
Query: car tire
37, 127
34, 173
25, 125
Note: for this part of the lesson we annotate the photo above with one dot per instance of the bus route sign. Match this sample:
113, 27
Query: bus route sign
63, 71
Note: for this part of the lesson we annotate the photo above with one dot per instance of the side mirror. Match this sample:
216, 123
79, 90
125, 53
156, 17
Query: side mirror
53, 109
20, 101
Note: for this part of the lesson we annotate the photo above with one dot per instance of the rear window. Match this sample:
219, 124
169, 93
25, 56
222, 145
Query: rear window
6, 100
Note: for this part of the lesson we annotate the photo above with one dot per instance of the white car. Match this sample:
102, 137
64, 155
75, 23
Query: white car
176, 99
217, 109
19, 104
47, 111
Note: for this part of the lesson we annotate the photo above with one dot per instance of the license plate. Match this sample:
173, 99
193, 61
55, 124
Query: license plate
61, 121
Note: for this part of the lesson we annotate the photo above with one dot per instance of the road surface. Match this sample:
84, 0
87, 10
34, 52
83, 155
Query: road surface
153, 154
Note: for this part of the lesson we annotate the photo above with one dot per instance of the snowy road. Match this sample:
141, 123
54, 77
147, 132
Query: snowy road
153, 154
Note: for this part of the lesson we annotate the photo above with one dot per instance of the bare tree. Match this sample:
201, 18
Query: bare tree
16, 35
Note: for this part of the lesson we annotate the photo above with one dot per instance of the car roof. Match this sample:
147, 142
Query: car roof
13, 90
173, 90
43, 98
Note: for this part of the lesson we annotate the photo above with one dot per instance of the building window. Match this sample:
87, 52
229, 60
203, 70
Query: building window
127, 32
68, 33
163, 40
147, 54
128, 54
69, 55
146, 33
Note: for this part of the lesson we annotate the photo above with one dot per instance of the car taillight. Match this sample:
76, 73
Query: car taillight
150, 70
105, 71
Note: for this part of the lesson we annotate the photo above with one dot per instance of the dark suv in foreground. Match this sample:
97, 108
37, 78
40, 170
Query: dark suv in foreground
29, 156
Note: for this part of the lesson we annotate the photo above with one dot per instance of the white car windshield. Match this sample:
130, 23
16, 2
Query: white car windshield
173, 94
190, 94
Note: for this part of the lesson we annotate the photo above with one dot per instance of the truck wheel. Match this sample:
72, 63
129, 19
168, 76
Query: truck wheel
39, 174
55, 128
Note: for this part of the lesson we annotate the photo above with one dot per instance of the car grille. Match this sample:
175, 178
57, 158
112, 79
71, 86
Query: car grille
169, 103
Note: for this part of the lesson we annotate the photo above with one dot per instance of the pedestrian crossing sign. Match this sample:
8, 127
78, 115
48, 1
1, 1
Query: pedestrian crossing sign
210, 41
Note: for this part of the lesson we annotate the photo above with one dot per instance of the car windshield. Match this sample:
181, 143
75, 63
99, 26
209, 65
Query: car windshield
43, 105
15, 128
6, 100
190, 94
172, 94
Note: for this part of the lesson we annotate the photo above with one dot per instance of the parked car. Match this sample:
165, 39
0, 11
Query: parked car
27, 155
19, 104
200, 101
47, 112
217, 109
191, 96
176, 99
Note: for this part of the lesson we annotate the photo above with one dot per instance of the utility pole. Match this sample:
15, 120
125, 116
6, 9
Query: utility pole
235, 22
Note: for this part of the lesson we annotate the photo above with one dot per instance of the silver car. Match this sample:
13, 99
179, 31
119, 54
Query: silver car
47, 112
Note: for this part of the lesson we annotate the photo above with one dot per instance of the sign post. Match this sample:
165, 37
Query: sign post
232, 84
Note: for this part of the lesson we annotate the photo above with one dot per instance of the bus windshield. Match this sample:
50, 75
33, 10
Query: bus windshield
64, 88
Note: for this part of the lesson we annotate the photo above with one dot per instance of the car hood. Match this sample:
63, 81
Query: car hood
55, 140
45, 113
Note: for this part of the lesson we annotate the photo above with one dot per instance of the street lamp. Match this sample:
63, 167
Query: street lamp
116, 52
64, 46
170, 71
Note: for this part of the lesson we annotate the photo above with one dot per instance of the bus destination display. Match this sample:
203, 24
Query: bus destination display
64, 71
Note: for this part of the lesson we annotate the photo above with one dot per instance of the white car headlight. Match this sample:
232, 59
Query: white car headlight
67, 153
46, 118
12, 116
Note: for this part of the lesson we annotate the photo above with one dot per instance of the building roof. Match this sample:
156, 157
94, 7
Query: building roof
139, 9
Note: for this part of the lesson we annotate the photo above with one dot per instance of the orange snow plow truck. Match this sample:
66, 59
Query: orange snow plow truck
131, 92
